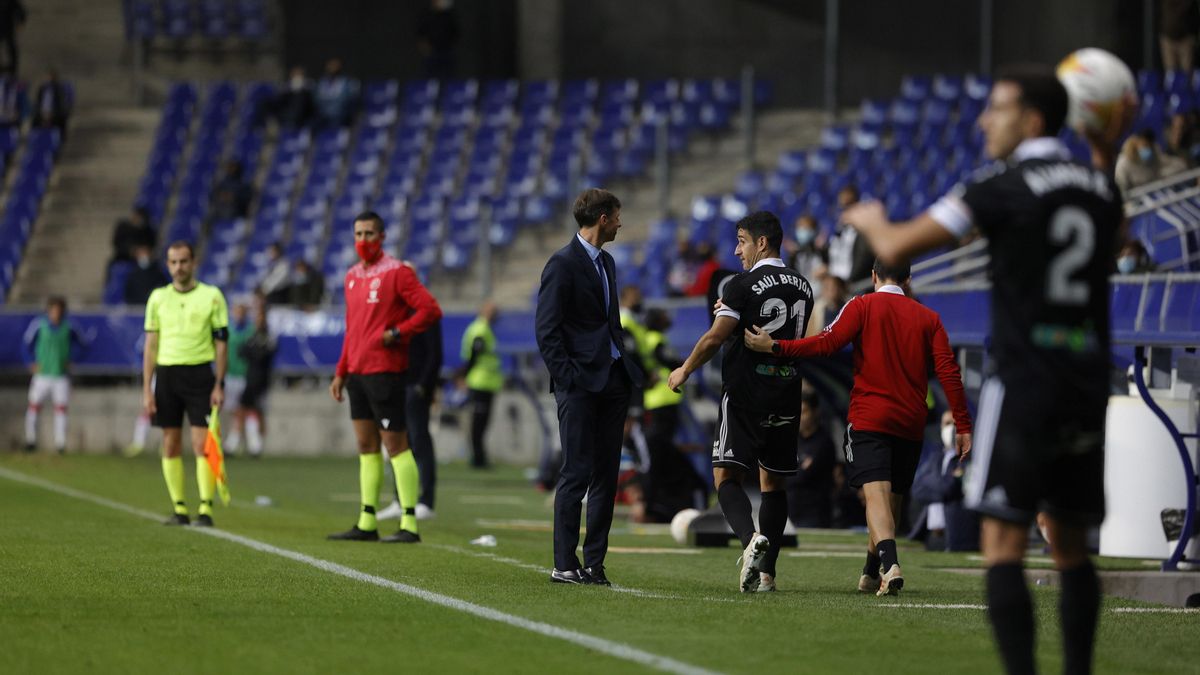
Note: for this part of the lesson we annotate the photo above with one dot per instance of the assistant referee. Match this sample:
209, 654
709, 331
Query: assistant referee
187, 326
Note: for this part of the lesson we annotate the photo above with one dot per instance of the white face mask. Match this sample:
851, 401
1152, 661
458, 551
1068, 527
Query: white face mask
948, 436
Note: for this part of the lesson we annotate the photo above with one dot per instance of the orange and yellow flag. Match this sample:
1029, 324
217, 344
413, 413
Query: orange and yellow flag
216, 458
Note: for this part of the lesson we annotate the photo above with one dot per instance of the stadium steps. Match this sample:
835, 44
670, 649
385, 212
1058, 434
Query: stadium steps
92, 186
84, 41
710, 167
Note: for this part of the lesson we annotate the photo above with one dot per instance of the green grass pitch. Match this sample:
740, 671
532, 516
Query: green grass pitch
85, 587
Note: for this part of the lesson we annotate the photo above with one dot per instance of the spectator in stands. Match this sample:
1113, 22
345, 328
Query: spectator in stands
1178, 22
811, 255
12, 18
231, 196
52, 104
437, 36
1134, 259
951, 525
810, 491
850, 256
147, 276
335, 98
132, 232
14, 102
834, 295
307, 288
706, 258
1182, 140
294, 105
274, 286
682, 274
1142, 162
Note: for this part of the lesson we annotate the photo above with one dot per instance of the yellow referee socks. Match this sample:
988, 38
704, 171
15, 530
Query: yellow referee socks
404, 466
207, 483
173, 473
370, 477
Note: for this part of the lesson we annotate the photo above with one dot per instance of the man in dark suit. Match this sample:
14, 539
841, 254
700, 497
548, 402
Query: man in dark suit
580, 336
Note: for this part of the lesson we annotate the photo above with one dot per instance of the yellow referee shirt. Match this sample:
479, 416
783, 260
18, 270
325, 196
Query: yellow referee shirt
185, 323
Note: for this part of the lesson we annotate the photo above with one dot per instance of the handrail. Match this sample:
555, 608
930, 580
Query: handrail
1162, 183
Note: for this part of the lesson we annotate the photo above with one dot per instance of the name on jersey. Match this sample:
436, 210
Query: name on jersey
1053, 177
773, 280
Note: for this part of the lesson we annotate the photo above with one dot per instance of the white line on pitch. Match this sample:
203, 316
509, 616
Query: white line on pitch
1156, 610
908, 605
823, 554
614, 649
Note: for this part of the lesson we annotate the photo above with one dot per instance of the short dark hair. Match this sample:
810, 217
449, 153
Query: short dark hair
180, 243
763, 224
1041, 90
57, 301
898, 271
657, 319
373, 217
593, 203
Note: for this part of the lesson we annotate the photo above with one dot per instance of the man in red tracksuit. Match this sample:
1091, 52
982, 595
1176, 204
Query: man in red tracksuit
896, 340
386, 305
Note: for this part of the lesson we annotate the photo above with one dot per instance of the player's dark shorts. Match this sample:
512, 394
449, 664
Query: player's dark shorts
873, 456
180, 389
1038, 450
747, 438
379, 397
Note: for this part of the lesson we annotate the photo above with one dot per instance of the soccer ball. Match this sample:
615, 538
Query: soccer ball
1100, 86
680, 524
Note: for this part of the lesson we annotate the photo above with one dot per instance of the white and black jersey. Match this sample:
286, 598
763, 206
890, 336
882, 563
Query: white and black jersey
778, 300
1051, 224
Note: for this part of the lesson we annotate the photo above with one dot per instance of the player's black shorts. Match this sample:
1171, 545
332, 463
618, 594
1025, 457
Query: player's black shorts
873, 456
747, 438
379, 397
1038, 450
180, 389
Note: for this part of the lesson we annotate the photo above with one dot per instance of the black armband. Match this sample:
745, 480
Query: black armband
221, 334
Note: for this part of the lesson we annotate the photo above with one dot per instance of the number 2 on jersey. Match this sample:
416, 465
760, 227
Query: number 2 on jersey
1073, 227
778, 313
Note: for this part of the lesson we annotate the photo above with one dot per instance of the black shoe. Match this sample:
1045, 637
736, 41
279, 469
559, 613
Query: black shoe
30, 447
595, 576
203, 520
577, 577
178, 519
402, 537
355, 534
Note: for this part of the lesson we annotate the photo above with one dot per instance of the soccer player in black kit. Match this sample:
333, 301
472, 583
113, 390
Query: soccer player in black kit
1052, 226
760, 402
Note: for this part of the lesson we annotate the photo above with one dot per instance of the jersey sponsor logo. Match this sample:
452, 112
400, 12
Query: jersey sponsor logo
373, 295
772, 420
776, 371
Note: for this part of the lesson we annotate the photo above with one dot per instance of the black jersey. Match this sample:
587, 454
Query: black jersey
779, 300
1051, 225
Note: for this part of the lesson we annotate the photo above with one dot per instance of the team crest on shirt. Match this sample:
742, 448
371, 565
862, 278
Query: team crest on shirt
373, 296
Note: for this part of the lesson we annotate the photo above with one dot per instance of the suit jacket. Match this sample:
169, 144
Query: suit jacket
573, 333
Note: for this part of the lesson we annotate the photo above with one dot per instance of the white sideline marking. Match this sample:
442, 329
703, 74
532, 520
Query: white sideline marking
614, 649
1156, 610
496, 499
823, 554
910, 605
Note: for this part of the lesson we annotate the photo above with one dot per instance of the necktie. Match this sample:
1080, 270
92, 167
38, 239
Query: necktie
603, 279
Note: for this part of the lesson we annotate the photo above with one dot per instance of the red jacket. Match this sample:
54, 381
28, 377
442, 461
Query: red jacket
384, 295
896, 339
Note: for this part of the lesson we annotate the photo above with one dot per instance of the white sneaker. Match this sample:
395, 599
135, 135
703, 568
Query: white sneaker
392, 512
749, 579
424, 512
766, 583
868, 584
891, 582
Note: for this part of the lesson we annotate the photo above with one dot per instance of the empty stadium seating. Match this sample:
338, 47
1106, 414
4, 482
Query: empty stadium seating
34, 153
217, 20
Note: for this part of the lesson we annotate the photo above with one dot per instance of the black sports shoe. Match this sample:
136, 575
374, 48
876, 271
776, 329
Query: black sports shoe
203, 520
355, 534
30, 447
178, 519
402, 537
595, 576
576, 577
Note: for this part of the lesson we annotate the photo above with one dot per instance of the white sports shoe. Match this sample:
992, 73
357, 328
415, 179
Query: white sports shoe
766, 583
424, 512
868, 584
891, 582
391, 512
749, 580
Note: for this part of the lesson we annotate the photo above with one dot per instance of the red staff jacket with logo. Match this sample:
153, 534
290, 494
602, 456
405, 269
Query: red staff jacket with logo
385, 295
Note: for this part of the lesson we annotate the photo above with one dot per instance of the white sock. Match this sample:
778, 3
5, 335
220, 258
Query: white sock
140, 429
60, 427
31, 415
233, 442
254, 440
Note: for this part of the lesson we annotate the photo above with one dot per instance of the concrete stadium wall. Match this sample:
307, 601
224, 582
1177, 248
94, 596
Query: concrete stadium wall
301, 423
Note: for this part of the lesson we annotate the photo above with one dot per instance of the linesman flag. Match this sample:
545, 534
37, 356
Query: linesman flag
216, 458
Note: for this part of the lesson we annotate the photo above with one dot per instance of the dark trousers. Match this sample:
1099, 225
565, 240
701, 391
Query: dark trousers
591, 426
416, 415
481, 414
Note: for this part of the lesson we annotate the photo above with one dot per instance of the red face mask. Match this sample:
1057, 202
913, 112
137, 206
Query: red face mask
368, 250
